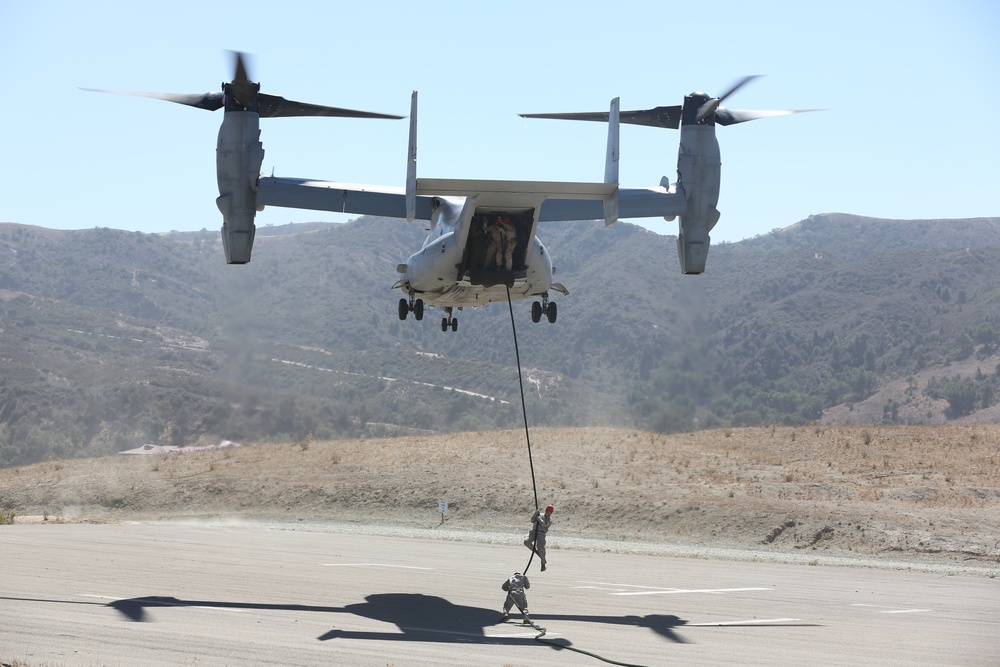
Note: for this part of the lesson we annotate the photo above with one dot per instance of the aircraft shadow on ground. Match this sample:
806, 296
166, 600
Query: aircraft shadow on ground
426, 618
135, 608
661, 624
419, 617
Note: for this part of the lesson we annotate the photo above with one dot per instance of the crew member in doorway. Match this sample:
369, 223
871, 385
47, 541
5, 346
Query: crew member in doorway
508, 240
494, 244
540, 528
515, 596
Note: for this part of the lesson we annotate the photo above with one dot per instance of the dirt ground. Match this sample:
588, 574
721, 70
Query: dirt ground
912, 493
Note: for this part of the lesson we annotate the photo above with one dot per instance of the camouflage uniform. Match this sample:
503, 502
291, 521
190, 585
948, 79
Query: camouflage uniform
515, 595
508, 241
540, 528
494, 249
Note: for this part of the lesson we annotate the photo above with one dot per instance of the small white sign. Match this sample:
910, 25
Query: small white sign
443, 506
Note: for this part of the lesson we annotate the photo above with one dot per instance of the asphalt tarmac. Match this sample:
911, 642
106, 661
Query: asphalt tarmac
144, 594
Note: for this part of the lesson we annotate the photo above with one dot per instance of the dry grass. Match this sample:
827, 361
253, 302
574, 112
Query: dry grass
866, 489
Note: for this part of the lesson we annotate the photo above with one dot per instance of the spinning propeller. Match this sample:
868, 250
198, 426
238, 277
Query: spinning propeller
242, 94
670, 116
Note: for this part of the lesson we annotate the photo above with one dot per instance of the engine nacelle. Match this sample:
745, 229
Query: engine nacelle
692, 249
699, 168
238, 160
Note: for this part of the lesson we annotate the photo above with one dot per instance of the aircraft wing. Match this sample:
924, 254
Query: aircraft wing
381, 200
561, 201
632, 203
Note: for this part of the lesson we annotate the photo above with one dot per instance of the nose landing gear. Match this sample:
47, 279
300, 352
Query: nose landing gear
449, 321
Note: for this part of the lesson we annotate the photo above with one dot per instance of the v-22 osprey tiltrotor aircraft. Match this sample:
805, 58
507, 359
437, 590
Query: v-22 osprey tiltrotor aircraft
482, 243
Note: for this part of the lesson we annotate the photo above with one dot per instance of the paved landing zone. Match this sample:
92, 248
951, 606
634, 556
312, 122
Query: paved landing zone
197, 595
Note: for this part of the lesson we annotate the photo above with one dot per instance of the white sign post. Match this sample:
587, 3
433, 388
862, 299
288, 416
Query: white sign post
443, 508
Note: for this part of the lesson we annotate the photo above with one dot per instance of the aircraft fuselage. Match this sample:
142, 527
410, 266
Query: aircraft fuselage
455, 268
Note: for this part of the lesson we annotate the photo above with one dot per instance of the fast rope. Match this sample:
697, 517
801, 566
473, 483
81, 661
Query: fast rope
524, 411
527, 436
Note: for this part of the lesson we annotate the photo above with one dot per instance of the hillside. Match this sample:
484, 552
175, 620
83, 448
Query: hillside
918, 494
112, 339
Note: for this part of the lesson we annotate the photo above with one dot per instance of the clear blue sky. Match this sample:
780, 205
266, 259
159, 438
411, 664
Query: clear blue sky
912, 91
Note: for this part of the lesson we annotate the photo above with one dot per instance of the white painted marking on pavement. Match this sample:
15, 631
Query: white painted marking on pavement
402, 567
754, 621
662, 590
605, 583
672, 591
477, 634
886, 609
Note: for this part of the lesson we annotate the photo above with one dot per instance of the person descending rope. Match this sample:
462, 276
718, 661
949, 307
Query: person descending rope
537, 533
515, 596
540, 528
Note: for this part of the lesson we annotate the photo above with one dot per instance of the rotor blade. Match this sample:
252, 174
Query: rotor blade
582, 115
737, 85
207, 101
708, 107
241, 88
732, 117
667, 117
239, 67
272, 106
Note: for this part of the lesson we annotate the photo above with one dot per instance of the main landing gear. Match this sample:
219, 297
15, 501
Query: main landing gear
449, 321
546, 307
411, 306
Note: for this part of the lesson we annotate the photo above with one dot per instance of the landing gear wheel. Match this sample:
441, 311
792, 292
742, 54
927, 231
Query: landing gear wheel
454, 324
404, 308
536, 312
550, 312
444, 324
418, 310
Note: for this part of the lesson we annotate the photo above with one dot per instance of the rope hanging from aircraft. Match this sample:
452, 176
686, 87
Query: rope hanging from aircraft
540, 637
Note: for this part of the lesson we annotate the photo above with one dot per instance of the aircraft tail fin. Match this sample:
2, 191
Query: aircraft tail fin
411, 163
611, 164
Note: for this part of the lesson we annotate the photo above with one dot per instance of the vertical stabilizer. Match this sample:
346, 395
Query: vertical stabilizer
411, 163
611, 164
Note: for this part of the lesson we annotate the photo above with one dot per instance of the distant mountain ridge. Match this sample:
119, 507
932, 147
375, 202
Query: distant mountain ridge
111, 339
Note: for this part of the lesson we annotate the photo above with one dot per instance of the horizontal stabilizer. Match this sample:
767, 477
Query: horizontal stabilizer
460, 187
